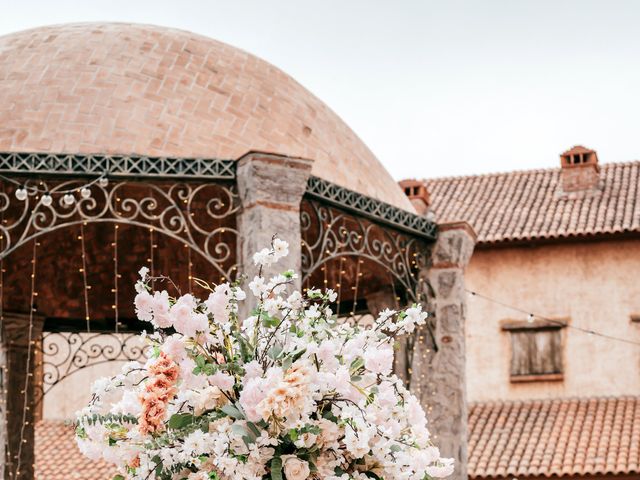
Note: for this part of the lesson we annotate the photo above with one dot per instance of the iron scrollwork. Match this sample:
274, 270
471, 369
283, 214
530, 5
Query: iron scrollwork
65, 353
202, 216
330, 233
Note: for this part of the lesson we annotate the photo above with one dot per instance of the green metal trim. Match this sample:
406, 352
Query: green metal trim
132, 166
116, 165
371, 208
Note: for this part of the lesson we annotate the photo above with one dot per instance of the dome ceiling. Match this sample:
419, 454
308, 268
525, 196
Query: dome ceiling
146, 90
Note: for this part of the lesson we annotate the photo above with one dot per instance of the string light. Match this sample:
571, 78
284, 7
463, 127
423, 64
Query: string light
28, 375
23, 191
84, 277
151, 256
531, 316
116, 276
4, 367
355, 287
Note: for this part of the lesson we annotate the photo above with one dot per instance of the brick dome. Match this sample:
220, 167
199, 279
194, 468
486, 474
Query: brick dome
147, 90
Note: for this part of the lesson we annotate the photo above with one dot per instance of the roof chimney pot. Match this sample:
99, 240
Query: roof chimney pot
417, 192
580, 169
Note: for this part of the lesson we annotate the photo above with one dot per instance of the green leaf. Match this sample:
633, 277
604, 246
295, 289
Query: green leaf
276, 468
233, 412
180, 420
275, 351
253, 428
286, 363
118, 477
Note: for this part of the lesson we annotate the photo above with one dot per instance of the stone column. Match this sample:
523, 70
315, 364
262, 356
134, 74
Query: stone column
270, 188
18, 422
438, 361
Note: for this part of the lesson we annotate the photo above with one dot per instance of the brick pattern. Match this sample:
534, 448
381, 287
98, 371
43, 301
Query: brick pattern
560, 437
58, 457
139, 89
530, 205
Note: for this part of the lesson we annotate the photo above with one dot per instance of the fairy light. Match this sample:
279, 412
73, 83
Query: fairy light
151, 258
3, 397
531, 316
116, 276
28, 374
339, 284
86, 286
355, 287
189, 267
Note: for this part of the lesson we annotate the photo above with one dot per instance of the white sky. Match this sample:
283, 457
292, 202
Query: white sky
434, 88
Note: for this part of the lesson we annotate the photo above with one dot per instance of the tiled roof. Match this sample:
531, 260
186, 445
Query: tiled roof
529, 205
58, 457
532, 438
554, 438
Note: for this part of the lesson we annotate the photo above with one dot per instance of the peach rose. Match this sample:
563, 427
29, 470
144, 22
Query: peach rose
295, 469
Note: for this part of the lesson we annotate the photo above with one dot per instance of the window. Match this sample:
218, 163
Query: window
536, 351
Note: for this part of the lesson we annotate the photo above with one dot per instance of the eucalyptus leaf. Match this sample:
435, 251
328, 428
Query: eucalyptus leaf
233, 412
276, 468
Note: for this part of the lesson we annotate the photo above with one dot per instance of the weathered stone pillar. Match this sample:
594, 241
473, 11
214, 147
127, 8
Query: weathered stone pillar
438, 360
270, 188
18, 366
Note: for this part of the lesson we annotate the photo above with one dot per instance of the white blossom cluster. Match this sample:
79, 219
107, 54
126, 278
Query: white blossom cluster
288, 393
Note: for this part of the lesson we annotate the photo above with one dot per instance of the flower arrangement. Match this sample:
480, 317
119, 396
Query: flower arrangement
288, 393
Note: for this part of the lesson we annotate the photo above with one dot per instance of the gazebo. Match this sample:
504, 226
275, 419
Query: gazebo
128, 145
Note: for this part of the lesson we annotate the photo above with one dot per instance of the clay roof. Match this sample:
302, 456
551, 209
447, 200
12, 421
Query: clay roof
554, 438
156, 91
530, 205
58, 457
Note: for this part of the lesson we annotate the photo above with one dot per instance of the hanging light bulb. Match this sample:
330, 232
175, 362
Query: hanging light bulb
103, 182
68, 199
530, 318
85, 192
21, 194
46, 200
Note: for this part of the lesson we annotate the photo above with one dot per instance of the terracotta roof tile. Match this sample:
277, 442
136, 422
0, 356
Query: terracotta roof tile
529, 205
558, 437
58, 457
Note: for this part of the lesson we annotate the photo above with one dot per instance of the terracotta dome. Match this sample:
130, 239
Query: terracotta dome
147, 90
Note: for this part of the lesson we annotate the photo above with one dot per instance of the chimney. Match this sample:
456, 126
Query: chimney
580, 169
417, 192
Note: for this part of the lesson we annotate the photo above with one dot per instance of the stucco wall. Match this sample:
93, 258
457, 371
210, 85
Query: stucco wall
596, 285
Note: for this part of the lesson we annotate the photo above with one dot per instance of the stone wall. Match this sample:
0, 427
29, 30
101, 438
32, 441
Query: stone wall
592, 285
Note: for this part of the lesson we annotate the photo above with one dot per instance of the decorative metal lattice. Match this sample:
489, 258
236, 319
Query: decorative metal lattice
116, 165
368, 207
131, 166
330, 234
64, 353
202, 216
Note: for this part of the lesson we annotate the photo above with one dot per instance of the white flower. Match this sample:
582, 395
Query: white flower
143, 272
263, 257
258, 286
280, 248
295, 468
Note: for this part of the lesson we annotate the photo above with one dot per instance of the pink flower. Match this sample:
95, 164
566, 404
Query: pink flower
252, 369
222, 380
174, 347
160, 307
251, 396
188, 322
379, 360
218, 302
143, 303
